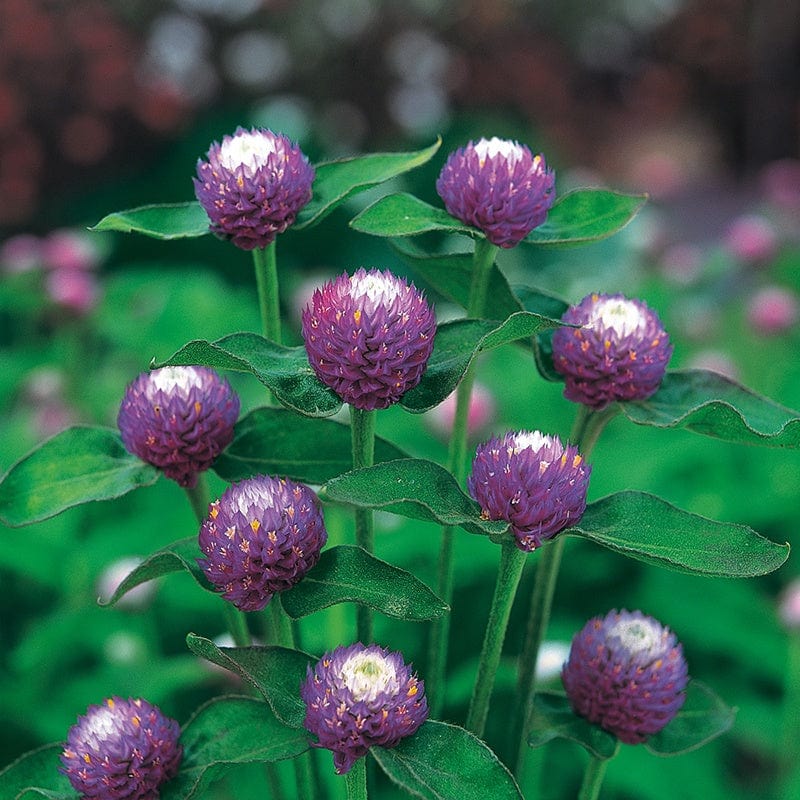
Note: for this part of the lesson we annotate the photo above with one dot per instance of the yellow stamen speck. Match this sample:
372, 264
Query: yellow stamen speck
255, 525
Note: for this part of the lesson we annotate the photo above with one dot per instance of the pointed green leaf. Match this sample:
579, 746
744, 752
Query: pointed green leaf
550, 306
275, 671
350, 574
412, 488
586, 215
445, 762
159, 221
553, 718
713, 405
703, 717
227, 731
404, 214
180, 556
275, 441
336, 181
649, 529
284, 370
76, 466
36, 774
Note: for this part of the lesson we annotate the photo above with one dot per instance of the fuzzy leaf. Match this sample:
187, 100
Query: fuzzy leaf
445, 762
406, 215
76, 466
350, 574
35, 774
159, 221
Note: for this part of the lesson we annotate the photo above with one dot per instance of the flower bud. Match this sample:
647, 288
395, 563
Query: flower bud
121, 750
253, 185
626, 673
262, 536
178, 419
368, 337
499, 187
620, 352
359, 696
531, 481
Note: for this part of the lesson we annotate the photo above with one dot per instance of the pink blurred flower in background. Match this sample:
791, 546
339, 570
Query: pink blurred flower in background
752, 239
773, 310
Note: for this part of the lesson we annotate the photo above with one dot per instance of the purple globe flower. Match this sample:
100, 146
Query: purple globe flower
620, 352
531, 481
499, 187
178, 419
262, 536
368, 337
253, 185
359, 696
626, 673
121, 750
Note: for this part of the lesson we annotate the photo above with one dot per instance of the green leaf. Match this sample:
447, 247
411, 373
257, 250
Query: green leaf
227, 731
586, 215
275, 441
445, 762
160, 221
275, 671
412, 488
553, 718
708, 403
350, 574
36, 773
284, 370
336, 181
703, 717
549, 306
176, 557
406, 215
76, 466
649, 529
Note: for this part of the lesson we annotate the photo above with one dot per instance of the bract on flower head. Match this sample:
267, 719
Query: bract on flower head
253, 185
531, 481
626, 673
261, 537
121, 750
360, 696
619, 352
499, 187
368, 337
178, 419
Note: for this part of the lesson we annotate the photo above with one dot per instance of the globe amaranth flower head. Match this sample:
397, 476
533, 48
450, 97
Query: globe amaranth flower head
178, 419
368, 337
620, 352
531, 481
261, 537
121, 750
499, 187
253, 185
360, 696
626, 673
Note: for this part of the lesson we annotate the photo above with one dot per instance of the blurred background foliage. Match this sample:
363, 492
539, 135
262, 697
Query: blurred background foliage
106, 105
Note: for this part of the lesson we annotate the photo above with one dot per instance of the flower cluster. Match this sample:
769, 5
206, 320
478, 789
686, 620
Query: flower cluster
360, 696
253, 185
531, 481
619, 351
261, 537
121, 750
499, 187
178, 419
368, 337
626, 673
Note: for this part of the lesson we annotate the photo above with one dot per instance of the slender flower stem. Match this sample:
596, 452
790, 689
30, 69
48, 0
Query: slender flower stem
362, 433
356, 780
268, 297
585, 432
482, 262
512, 560
199, 497
593, 778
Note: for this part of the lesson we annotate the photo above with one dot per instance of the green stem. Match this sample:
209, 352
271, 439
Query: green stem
362, 433
199, 497
236, 622
593, 778
356, 780
512, 560
280, 624
482, 263
268, 297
